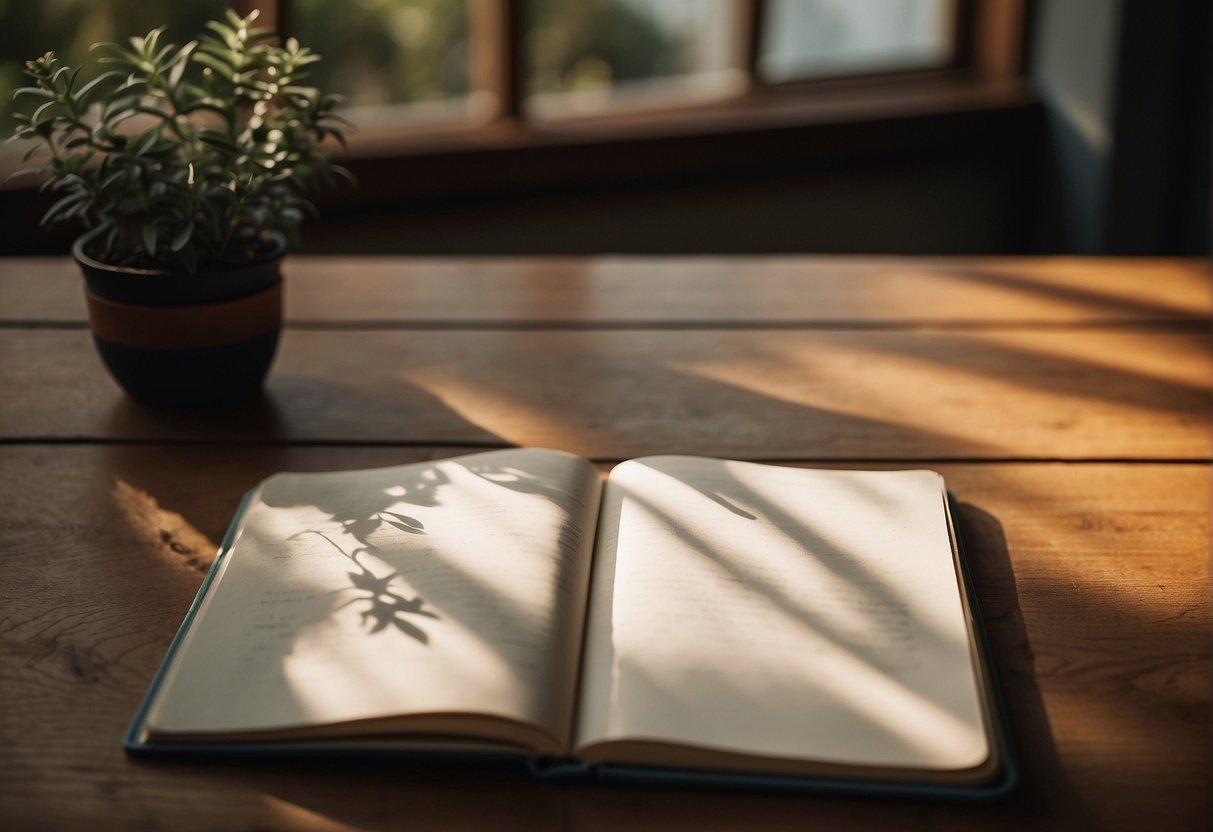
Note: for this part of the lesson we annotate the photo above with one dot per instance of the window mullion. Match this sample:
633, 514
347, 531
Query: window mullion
749, 16
498, 62
998, 39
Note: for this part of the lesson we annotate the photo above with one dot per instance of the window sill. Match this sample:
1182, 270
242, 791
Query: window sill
818, 123
828, 141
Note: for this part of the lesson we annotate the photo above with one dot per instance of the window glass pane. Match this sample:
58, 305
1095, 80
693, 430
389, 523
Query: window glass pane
816, 38
69, 27
585, 55
392, 59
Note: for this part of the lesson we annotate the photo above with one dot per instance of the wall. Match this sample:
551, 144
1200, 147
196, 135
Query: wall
1073, 66
1126, 91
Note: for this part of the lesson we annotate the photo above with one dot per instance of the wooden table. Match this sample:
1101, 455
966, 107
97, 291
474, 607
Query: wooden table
1066, 401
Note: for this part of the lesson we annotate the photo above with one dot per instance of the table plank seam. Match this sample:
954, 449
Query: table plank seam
1184, 324
455, 444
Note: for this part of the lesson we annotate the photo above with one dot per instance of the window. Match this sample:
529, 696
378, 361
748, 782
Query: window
586, 57
69, 27
469, 110
417, 63
393, 60
821, 38
426, 61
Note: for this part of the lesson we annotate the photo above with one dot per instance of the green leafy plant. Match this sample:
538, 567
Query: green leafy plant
183, 156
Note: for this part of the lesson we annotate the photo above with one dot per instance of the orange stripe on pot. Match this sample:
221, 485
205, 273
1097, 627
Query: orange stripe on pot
190, 327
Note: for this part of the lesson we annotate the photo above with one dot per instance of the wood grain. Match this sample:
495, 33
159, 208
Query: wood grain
610, 394
1092, 573
734, 290
1093, 579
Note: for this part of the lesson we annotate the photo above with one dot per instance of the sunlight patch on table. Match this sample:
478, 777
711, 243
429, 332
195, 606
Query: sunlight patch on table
287, 815
512, 418
1045, 381
166, 532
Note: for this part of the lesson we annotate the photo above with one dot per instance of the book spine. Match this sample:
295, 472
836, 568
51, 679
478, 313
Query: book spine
559, 768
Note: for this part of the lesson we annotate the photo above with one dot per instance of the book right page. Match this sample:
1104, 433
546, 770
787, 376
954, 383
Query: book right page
788, 616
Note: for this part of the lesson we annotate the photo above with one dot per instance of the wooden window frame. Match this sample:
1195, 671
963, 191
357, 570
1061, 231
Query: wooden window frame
979, 99
504, 151
987, 42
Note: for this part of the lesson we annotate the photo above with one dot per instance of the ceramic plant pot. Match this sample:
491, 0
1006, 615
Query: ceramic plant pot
186, 341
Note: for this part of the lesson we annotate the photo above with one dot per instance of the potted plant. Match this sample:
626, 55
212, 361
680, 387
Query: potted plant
186, 167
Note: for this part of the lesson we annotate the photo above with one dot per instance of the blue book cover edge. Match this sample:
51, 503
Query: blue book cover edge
558, 770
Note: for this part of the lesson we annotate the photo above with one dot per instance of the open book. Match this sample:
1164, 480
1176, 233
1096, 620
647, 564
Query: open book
685, 618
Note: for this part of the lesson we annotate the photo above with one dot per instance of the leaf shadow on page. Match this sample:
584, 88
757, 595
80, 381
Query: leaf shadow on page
387, 606
404, 577
516, 479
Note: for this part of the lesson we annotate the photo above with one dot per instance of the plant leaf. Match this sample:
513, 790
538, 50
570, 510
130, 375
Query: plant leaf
82, 93
36, 118
182, 237
211, 105
38, 91
60, 209
149, 238
24, 172
110, 180
216, 139
145, 143
179, 63
213, 63
189, 258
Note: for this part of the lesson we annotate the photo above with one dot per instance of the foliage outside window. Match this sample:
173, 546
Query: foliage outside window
69, 27
411, 61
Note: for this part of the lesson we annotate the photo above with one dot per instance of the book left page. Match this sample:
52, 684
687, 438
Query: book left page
440, 598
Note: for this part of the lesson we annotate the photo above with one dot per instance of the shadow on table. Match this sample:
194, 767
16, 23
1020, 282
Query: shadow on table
180, 498
262, 417
299, 408
1045, 792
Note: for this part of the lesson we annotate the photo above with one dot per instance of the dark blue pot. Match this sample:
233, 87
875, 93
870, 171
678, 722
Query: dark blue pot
186, 341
